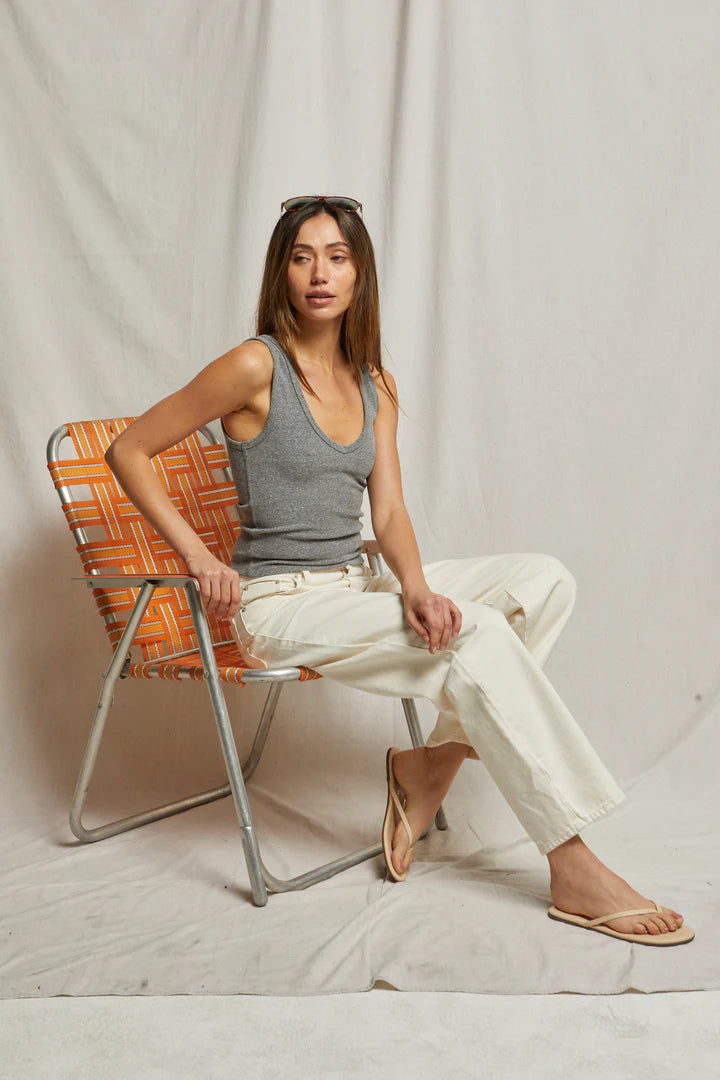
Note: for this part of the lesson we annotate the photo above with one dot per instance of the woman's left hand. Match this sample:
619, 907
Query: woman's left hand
434, 617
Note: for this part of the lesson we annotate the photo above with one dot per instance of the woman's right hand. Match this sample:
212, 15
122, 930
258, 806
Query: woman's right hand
219, 585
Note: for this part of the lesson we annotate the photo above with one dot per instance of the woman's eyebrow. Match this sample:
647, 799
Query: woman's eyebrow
309, 247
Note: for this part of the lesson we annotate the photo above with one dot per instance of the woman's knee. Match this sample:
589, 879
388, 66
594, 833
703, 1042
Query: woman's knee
561, 578
565, 579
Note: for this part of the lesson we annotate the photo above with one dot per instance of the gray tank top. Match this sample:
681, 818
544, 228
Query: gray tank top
299, 492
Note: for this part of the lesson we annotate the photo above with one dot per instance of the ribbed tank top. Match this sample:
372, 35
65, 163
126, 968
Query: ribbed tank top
299, 492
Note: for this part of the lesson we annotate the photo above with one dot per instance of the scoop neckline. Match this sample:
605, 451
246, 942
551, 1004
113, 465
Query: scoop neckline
342, 447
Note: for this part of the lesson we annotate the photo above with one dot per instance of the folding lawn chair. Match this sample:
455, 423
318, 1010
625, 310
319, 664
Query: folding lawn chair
146, 599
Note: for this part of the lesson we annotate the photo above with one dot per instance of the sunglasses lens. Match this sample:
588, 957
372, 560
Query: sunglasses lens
299, 202
343, 203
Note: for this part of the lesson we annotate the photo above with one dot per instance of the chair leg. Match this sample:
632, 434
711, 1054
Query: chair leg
320, 873
229, 749
112, 828
260, 877
416, 736
134, 821
263, 730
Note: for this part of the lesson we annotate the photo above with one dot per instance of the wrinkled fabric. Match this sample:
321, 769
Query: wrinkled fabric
488, 684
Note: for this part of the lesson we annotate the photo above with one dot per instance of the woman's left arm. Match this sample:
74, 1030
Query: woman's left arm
433, 616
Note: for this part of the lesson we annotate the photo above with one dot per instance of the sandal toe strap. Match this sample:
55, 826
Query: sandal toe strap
401, 814
624, 914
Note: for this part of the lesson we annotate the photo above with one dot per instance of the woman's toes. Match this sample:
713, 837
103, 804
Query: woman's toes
672, 918
401, 864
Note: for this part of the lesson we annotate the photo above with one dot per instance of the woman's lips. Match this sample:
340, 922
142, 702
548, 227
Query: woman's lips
320, 301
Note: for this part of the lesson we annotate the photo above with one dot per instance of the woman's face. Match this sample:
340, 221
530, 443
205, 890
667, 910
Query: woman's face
320, 262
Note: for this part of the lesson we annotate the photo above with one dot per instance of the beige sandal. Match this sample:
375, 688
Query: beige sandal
394, 813
680, 936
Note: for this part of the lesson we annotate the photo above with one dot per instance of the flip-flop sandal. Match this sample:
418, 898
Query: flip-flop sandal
394, 813
673, 937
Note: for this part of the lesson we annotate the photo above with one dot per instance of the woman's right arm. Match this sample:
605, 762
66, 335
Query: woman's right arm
226, 385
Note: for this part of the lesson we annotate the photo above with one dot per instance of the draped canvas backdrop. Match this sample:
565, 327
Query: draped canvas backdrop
540, 183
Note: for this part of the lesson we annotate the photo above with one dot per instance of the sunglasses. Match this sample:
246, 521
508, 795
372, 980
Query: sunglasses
342, 202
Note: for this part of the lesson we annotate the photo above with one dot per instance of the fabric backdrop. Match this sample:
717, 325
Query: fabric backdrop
540, 182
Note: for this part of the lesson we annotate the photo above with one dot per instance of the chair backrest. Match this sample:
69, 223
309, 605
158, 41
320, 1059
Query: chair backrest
111, 534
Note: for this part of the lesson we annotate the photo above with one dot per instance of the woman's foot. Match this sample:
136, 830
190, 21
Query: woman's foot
582, 885
424, 775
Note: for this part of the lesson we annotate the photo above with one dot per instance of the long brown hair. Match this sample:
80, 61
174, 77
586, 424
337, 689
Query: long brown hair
360, 330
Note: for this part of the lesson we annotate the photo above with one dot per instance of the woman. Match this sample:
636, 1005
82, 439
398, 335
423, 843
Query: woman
310, 419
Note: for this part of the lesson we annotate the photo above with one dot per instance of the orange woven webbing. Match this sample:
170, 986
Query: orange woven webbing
192, 474
229, 663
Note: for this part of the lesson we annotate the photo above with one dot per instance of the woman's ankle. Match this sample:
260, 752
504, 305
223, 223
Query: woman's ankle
568, 858
437, 765
444, 761
447, 752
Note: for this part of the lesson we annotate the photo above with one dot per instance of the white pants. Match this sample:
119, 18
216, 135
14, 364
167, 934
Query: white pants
488, 685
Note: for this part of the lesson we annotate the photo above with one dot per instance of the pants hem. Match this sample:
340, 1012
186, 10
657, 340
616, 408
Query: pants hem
604, 808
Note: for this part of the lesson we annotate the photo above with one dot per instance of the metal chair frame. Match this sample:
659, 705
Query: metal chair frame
261, 880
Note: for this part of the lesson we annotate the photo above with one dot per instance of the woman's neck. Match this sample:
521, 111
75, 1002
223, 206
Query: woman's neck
318, 345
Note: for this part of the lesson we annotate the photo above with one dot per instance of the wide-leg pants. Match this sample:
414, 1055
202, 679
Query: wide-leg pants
488, 685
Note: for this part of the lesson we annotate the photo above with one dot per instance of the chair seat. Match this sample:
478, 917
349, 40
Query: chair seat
231, 667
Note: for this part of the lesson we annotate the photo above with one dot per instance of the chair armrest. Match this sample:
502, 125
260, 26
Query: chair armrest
167, 581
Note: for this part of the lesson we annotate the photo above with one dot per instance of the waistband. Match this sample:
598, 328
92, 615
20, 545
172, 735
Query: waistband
254, 588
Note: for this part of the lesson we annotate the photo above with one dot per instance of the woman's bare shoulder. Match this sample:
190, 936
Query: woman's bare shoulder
251, 362
384, 380
378, 376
